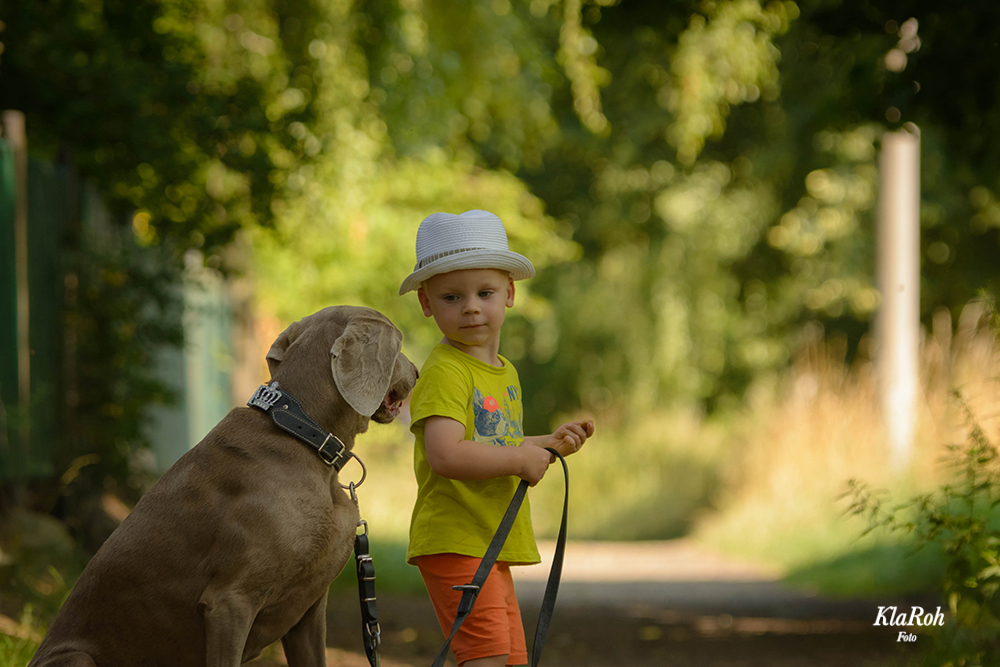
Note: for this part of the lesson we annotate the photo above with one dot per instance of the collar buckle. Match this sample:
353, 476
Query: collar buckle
338, 458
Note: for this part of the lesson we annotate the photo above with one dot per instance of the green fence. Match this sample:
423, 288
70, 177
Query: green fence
30, 429
200, 373
9, 440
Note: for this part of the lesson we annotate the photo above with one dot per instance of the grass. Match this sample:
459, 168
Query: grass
803, 441
18, 639
392, 574
16, 651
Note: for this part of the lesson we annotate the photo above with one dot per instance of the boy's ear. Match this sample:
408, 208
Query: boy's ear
510, 292
425, 303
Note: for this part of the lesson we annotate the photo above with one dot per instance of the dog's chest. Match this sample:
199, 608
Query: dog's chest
307, 575
328, 540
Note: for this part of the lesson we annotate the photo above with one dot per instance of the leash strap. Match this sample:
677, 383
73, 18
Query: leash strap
471, 590
555, 575
370, 631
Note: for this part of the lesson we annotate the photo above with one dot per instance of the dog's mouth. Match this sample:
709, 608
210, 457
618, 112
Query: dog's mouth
389, 410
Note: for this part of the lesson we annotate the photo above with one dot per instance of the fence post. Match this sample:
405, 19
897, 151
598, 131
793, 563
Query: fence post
15, 134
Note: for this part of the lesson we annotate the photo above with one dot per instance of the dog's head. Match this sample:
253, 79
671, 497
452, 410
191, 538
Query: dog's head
344, 364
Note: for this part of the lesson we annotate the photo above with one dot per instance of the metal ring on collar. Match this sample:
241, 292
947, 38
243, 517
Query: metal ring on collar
364, 473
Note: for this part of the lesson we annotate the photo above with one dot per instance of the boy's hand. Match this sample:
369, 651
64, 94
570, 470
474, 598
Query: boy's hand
534, 462
569, 438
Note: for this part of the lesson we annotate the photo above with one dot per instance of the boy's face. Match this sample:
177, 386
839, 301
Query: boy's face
469, 305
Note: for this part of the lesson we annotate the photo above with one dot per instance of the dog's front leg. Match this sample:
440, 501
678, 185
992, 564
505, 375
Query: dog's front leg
228, 618
305, 644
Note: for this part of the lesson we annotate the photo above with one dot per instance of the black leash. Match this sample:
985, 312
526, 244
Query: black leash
366, 578
370, 631
471, 590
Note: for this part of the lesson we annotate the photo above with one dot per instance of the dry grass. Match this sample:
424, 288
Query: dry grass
821, 427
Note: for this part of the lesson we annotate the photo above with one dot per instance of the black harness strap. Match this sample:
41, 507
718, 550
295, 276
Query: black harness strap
471, 590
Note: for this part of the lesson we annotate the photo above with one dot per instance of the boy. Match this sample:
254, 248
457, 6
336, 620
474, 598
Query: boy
466, 416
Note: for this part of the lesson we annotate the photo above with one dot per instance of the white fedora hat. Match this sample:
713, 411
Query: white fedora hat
471, 240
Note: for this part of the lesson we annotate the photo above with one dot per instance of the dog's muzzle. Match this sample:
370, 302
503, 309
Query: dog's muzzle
391, 406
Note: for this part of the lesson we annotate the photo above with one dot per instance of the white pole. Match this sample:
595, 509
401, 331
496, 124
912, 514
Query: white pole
898, 323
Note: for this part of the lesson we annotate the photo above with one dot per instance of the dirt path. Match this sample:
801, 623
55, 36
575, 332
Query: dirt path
652, 603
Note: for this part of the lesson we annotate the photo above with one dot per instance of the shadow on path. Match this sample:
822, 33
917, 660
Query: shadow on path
655, 603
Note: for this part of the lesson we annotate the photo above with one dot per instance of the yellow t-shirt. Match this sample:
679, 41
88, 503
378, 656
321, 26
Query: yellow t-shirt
452, 516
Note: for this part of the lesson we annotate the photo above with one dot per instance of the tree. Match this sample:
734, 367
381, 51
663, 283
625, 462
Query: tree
188, 113
713, 161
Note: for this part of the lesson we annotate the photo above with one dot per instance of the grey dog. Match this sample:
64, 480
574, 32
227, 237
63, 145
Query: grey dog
236, 545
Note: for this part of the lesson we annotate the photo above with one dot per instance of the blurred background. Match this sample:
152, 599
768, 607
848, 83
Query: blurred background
697, 184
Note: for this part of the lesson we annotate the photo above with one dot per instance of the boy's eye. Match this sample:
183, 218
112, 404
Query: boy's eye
450, 298
485, 293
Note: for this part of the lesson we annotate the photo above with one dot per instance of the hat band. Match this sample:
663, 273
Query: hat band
441, 255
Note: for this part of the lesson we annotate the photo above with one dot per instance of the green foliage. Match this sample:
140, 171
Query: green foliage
722, 191
962, 518
660, 310
463, 76
733, 198
15, 651
122, 304
715, 161
162, 102
725, 57
354, 244
41, 563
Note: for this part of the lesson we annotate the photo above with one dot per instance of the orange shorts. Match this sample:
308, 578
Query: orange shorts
494, 627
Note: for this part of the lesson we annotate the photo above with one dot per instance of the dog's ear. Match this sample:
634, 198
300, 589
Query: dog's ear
362, 359
284, 340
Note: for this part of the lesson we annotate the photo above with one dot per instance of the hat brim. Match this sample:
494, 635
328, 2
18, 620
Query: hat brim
518, 266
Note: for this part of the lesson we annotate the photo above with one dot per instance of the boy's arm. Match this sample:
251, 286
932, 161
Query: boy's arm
567, 439
450, 455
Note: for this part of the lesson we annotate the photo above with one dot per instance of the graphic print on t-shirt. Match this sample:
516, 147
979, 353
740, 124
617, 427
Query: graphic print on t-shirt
492, 424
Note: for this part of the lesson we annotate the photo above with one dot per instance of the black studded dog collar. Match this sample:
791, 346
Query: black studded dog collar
288, 415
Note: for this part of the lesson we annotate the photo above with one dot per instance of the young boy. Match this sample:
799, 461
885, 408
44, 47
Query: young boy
470, 450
